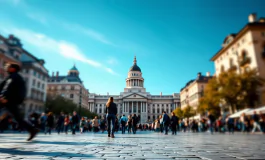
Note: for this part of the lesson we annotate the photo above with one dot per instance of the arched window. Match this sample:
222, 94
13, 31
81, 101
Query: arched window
231, 62
244, 55
222, 68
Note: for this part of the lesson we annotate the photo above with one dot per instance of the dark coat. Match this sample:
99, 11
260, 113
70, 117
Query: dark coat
13, 89
50, 121
112, 109
75, 120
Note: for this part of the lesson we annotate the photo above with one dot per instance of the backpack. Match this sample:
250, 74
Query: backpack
123, 122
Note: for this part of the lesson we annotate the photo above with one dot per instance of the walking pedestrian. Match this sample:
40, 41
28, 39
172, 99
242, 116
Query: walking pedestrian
60, 123
74, 122
211, 120
134, 123
166, 122
49, 123
12, 94
129, 124
111, 111
256, 124
123, 121
174, 123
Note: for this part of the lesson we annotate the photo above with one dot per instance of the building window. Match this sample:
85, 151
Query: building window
63, 87
33, 82
244, 55
42, 86
72, 87
222, 68
34, 73
231, 62
158, 110
38, 85
71, 95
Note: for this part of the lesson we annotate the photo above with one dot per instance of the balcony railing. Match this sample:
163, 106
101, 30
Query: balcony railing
263, 54
245, 61
232, 68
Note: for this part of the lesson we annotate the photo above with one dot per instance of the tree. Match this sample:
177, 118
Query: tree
235, 90
188, 112
60, 104
211, 98
178, 112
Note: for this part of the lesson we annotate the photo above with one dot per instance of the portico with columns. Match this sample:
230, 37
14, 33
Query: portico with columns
135, 99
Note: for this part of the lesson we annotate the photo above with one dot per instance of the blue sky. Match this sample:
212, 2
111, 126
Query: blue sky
173, 40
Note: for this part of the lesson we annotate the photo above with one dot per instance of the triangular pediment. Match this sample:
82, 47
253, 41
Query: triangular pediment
134, 96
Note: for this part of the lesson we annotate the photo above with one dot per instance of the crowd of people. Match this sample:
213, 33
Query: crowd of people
12, 94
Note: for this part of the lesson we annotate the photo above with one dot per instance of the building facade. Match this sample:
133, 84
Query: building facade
32, 70
193, 91
135, 99
244, 50
69, 86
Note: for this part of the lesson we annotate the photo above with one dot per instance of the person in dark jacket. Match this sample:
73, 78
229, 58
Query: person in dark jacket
49, 123
111, 111
174, 123
60, 123
74, 122
134, 123
166, 122
12, 94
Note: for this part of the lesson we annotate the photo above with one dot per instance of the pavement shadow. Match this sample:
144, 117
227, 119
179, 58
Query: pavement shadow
14, 151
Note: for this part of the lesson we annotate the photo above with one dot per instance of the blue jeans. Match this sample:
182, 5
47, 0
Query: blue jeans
123, 129
111, 120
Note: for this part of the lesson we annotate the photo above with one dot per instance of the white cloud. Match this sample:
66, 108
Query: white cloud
37, 17
89, 32
112, 61
66, 49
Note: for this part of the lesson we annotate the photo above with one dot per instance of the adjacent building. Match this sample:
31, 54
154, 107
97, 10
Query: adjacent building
193, 91
135, 99
69, 86
244, 50
32, 69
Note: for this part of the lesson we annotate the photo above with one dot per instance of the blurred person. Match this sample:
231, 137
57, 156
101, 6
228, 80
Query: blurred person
74, 122
174, 123
82, 124
166, 122
134, 123
66, 123
256, 120
12, 94
49, 123
230, 124
211, 120
161, 123
43, 120
95, 124
103, 124
111, 111
262, 121
129, 124
60, 123
123, 121
157, 125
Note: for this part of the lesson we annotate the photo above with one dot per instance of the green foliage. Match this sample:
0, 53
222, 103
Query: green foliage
184, 113
178, 112
188, 112
60, 104
235, 90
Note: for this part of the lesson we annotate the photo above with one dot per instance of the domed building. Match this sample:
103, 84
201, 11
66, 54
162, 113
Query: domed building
69, 86
135, 99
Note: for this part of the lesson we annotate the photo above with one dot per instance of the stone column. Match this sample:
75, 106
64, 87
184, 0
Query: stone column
141, 107
97, 109
146, 107
160, 109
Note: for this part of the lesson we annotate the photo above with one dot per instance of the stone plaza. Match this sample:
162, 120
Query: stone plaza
143, 145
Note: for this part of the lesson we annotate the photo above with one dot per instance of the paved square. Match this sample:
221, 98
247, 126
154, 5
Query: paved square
144, 145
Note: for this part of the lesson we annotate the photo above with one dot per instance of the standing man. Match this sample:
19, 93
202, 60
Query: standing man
166, 122
75, 122
60, 123
12, 94
123, 122
211, 120
134, 123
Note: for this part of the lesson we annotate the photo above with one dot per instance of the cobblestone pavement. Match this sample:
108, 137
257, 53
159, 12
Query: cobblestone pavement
144, 145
